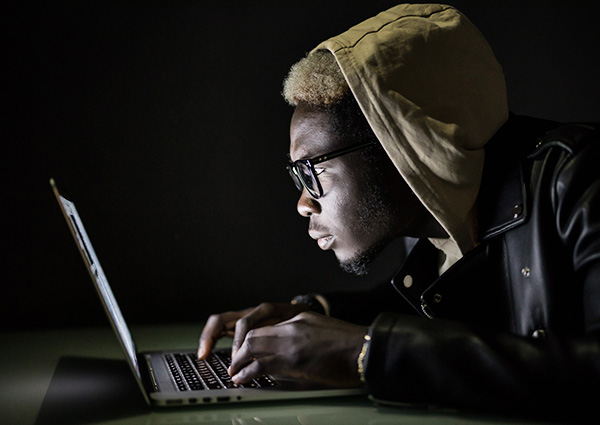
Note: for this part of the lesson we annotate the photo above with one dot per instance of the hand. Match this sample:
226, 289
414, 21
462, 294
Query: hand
309, 346
237, 324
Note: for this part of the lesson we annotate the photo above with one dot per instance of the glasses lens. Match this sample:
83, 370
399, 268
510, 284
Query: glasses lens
294, 177
308, 178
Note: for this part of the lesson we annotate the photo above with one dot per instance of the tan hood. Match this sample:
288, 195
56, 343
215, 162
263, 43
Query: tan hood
434, 94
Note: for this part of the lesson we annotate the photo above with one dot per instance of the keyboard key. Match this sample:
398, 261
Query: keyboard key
189, 373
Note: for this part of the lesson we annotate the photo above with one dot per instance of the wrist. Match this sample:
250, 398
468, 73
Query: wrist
314, 302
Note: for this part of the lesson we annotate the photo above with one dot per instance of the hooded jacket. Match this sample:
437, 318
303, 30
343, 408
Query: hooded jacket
516, 304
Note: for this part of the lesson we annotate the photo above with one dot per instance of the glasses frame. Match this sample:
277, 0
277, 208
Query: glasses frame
310, 163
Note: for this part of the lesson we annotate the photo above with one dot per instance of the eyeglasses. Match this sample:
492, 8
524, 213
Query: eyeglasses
303, 171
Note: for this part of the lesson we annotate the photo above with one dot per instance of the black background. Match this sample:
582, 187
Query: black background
163, 120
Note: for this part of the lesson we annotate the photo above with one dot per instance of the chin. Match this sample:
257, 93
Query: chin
359, 263
355, 268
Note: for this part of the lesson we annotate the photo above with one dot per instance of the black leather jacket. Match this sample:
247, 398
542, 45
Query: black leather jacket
516, 322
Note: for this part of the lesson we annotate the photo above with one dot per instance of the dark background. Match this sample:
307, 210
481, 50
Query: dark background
163, 121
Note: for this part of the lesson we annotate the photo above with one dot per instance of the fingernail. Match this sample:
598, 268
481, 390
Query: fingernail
201, 350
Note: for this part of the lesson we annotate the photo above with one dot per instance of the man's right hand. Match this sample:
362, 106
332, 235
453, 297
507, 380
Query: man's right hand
238, 323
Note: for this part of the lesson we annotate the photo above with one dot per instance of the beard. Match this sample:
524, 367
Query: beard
359, 264
377, 213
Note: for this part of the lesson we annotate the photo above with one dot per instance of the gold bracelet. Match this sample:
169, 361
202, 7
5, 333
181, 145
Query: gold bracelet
361, 358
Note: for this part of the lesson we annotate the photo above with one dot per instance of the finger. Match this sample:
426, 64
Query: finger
256, 345
216, 326
259, 316
254, 369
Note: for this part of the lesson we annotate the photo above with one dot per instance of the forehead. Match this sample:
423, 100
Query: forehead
311, 133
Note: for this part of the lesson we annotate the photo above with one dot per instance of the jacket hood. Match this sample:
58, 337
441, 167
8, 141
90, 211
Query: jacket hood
434, 94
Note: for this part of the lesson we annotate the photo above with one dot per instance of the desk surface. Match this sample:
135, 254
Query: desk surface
90, 359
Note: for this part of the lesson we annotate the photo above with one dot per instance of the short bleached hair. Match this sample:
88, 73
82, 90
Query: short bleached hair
316, 80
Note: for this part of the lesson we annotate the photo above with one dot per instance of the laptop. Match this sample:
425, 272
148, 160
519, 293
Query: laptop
178, 378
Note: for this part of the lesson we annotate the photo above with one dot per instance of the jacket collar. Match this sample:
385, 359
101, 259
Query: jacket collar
502, 201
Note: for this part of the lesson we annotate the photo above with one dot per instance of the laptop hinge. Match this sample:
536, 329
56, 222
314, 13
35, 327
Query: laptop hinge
147, 374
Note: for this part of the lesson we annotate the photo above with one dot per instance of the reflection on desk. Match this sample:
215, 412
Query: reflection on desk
79, 376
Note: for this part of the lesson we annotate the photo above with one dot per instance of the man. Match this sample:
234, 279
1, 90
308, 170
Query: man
401, 128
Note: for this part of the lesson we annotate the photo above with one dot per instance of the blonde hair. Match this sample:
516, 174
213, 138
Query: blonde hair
316, 80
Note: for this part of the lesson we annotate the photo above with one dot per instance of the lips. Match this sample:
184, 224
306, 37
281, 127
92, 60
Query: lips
321, 235
325, 241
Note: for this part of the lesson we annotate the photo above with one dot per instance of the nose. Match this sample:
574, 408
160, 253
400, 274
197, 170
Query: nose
307, 205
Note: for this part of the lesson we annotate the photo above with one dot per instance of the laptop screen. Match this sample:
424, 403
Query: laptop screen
110, 304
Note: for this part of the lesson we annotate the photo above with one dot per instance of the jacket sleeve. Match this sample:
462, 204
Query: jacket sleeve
460, 365
449, 364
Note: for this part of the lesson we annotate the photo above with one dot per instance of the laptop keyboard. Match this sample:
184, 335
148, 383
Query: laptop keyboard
191, 374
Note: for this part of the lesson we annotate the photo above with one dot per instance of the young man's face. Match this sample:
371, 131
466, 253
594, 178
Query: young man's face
363, 207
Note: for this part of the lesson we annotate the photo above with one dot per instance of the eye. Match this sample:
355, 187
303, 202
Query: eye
318, 171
